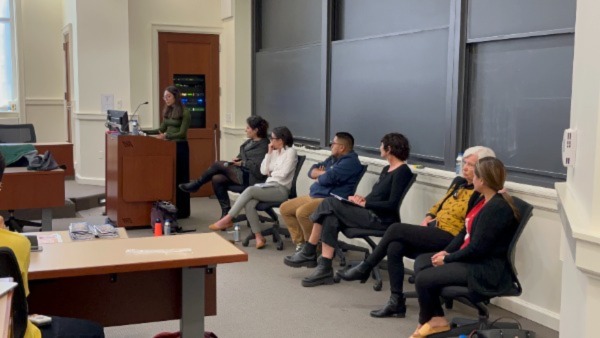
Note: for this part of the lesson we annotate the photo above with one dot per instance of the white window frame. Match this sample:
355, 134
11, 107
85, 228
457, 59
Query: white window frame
15, 69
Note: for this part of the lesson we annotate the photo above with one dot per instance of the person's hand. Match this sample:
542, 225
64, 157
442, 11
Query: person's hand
427, 220
438, 258
270, 147
318, 171
236, 159
161, 136
237, 162
356, 199
2, 225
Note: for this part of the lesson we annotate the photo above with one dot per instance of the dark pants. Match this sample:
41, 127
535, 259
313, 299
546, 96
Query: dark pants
70, 327
334, 215
430, 281
406, 240
182, 175
221, 177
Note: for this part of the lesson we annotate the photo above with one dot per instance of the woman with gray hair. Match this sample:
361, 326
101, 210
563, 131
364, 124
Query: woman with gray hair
443, 221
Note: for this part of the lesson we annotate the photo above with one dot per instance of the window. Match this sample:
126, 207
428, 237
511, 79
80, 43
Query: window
6, 55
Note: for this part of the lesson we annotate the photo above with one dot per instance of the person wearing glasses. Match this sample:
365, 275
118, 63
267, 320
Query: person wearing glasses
279, 165
59, 327
176, 117
377, 210
477, 256
444, 220
243, 170
338, 174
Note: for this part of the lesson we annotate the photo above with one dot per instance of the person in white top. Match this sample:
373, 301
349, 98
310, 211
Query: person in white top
279, 165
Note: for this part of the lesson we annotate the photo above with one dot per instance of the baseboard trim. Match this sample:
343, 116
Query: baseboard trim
530, 311
90, 180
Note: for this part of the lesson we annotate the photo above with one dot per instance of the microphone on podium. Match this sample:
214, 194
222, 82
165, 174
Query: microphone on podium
138, 107
227, 164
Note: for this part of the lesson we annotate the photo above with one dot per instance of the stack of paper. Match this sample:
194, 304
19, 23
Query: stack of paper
105, 231
80, 231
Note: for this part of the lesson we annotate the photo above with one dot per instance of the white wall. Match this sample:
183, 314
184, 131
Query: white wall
40, 42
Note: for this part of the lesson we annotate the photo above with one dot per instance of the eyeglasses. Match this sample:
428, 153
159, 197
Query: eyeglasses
274, 138
333, 143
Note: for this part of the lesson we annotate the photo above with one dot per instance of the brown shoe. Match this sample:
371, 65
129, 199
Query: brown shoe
215, 227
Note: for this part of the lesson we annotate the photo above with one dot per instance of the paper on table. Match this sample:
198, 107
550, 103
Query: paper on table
49, 238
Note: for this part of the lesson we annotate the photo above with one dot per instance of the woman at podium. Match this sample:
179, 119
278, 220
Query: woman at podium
243, 170
176, 117
279, 165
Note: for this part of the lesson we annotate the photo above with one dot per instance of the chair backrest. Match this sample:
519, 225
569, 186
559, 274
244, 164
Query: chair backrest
9, 267
412, 180
17, 133
360, 176
525, 211
301, 159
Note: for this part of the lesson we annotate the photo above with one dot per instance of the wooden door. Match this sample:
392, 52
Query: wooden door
198, 54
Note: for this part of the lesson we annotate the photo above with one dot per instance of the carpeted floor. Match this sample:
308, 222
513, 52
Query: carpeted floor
264, 298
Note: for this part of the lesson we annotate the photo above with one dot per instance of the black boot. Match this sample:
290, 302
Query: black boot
360, 272
322, 275
306, 257
395, 307
190, 187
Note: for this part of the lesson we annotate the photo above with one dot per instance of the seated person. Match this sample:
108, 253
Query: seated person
477, 256
338, 174
279, 165
176, 117
443, 221
376, 211
244, 169
60, 327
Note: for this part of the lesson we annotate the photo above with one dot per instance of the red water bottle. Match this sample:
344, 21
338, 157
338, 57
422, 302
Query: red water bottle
158, 228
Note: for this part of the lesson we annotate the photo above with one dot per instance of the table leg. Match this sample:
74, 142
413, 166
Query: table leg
192, 302
47, 219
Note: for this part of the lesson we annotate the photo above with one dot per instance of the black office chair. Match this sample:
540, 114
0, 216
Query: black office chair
464, 295
276, 231
339, 250
18, 133
9, 267
366, 234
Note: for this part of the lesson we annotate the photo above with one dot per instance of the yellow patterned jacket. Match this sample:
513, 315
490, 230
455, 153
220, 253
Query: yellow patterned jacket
450, 211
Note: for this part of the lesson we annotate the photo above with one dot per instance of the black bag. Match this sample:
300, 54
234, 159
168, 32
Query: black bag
163, 210
42, 162
496, 332
504, 333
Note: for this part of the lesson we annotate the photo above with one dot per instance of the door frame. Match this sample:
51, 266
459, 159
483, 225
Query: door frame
67, 33
160, 28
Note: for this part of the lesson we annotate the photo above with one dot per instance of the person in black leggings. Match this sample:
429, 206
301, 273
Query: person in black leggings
477, 257
443, 221
243, 170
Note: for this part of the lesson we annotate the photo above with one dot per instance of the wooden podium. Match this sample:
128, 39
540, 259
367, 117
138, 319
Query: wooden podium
139, 171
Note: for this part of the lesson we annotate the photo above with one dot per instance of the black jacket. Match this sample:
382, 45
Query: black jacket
252, 158
492, 231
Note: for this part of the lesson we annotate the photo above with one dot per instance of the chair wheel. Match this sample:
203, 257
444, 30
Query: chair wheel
245, 242
287, 236
411, 279
280, 246
336, 278
378, 286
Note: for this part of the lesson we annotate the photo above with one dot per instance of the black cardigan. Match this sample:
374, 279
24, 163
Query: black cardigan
492, 231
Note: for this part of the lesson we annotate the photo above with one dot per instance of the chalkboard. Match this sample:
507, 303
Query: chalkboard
520, 99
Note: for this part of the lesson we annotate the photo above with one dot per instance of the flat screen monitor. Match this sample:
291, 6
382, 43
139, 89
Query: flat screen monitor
117, 120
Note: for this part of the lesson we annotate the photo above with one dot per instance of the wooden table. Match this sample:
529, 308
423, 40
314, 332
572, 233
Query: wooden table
62, 152
131, 280
26, 189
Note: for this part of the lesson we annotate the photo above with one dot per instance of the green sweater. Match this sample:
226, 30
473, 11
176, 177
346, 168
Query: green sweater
174, 129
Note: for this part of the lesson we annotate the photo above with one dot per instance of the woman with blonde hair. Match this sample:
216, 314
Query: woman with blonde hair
476, 257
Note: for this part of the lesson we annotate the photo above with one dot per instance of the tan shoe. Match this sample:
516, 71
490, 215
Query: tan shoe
215, 227
260, 245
